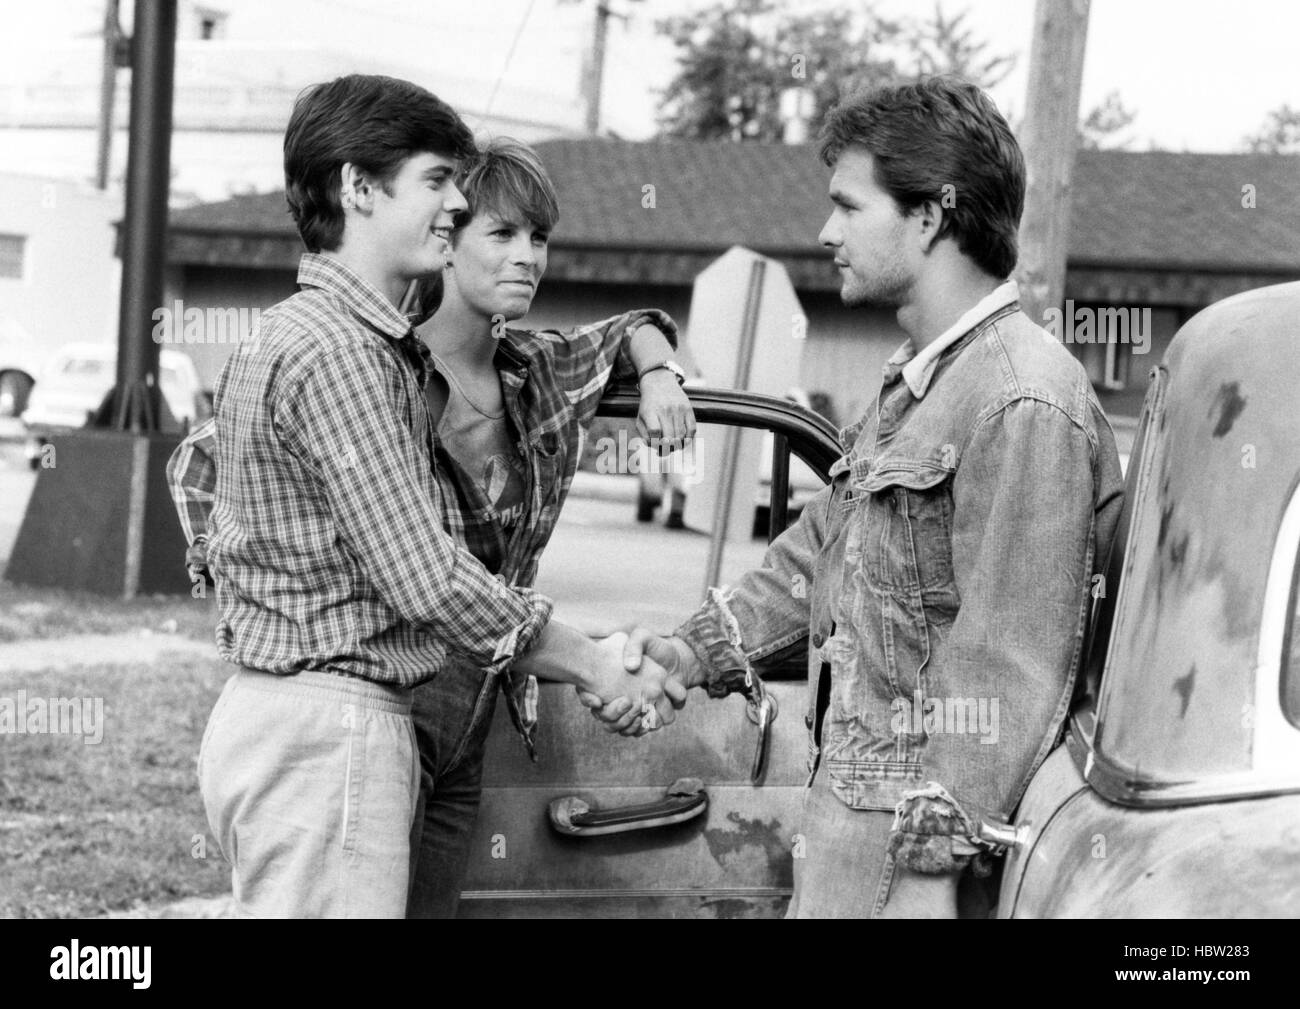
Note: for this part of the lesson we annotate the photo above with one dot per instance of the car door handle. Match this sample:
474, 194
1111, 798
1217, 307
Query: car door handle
684, 800
763, 714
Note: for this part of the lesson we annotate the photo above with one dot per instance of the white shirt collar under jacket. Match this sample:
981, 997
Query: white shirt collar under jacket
919, 369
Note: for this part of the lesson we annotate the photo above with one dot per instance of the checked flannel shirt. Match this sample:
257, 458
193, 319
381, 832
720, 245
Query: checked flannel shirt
383, 582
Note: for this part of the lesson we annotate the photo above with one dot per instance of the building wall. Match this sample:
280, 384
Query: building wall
845, 352
1132, 362
224, 288
70, 279
847, 348
561, 304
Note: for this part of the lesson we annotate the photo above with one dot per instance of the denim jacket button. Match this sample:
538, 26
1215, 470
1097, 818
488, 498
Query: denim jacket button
818, 641
808, 722
893, 503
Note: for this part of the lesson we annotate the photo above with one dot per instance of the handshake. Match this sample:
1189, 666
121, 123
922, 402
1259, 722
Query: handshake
640, 682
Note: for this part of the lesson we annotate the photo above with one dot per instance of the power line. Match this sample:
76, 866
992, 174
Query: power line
509, 56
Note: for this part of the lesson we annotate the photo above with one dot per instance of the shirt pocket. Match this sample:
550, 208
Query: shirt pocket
910, 524
549, 454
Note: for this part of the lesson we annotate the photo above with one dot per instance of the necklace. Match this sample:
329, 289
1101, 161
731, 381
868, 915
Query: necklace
460, 389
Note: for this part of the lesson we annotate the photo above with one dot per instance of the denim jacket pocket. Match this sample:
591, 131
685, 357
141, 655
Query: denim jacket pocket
912, 509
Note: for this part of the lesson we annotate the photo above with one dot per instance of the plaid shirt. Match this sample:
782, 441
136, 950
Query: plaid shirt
552, 383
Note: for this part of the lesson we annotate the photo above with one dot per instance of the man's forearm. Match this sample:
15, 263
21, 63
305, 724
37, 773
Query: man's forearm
563, 654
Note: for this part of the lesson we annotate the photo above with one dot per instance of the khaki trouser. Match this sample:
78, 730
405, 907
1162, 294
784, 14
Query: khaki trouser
310, 785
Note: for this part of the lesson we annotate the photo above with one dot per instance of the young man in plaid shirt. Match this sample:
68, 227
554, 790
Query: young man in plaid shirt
339, 586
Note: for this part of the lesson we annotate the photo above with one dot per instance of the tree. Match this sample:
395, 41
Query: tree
1099, 128
1279, 134
736, 60
726, 85
944, 45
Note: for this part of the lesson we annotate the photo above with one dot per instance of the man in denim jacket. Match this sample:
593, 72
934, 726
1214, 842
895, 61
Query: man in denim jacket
941, 584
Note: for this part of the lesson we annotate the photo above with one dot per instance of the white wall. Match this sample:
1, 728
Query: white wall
70, 283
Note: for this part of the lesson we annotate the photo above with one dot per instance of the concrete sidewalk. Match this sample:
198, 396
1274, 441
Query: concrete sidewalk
605, 487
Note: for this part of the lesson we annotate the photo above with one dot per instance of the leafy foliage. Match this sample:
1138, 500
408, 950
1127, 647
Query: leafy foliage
1279, 134
737, 61
1099, 128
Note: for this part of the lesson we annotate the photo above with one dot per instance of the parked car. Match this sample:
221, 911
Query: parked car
19, 364
78, 378
719, 848
1176, 791
658, 484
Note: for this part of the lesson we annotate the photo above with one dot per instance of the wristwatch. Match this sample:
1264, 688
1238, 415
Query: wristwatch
670, 365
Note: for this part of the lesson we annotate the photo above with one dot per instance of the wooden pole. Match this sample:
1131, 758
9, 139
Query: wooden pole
1049, 139
596, 77
107, 93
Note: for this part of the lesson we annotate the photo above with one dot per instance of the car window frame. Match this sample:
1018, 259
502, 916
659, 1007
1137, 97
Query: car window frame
796, 430
1275, 751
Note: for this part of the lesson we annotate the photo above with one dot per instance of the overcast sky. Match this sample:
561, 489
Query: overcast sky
1200, 73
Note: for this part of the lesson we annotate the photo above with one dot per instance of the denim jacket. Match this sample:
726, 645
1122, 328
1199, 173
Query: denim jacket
944, 576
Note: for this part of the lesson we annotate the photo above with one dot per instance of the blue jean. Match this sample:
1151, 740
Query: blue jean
452, 715
846, 871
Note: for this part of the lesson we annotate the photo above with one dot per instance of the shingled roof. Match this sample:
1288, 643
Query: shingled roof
1149, 211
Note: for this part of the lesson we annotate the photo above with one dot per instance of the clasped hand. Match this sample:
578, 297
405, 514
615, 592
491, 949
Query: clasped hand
641, 686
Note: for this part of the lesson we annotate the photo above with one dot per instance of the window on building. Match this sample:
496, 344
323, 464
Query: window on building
1118, 361
13, 249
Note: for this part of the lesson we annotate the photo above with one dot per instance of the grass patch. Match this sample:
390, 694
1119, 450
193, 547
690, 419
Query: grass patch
88, 829
30, 613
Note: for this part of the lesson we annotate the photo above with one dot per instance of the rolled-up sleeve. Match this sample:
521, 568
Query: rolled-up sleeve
377, 480
589, 358
192, 477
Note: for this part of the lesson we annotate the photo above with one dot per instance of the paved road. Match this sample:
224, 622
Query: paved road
604, 568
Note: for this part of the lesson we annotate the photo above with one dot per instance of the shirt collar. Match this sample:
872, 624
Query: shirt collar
327, 273
918, 369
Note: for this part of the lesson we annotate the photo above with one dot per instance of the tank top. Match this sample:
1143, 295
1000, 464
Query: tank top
480, 443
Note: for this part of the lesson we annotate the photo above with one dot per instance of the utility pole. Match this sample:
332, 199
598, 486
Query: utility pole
1049, 139
595, 80
117, 53
596, 74
100, 516
144, 228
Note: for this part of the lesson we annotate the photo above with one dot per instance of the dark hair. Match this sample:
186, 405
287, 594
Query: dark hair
938, 132
506, 177
375, 123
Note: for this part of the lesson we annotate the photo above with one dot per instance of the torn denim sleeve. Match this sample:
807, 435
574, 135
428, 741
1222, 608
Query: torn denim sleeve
933, 835
714, 637
766, 612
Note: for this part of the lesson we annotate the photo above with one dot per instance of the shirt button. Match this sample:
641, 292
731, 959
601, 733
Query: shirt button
818, 641
808, 722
